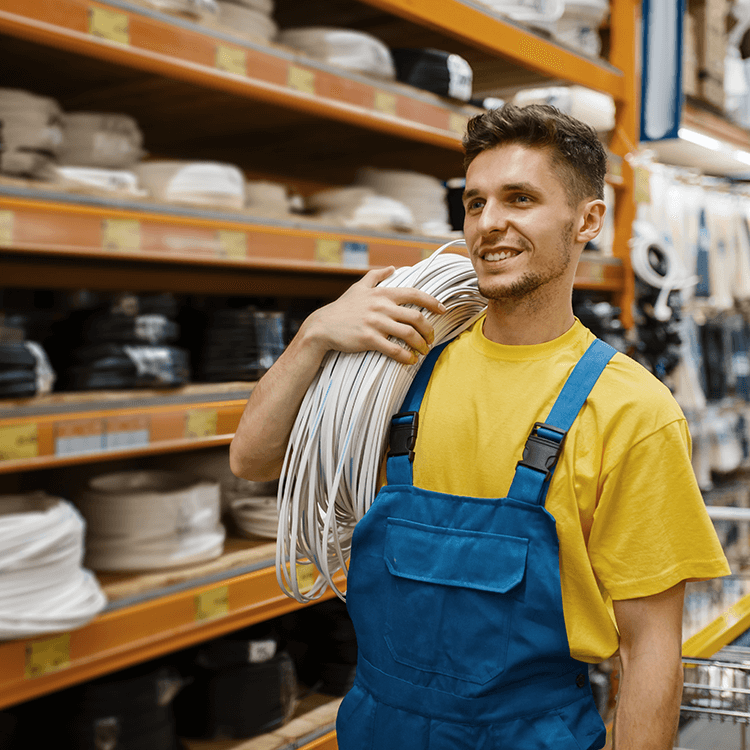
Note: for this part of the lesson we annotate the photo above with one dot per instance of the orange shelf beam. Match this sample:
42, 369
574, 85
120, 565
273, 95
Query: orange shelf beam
499, 36
74, 229
165, 45
123, 637
326, 742
721, 632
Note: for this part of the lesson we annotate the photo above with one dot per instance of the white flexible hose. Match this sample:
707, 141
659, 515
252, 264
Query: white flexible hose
676, 277
332, 464
43, 588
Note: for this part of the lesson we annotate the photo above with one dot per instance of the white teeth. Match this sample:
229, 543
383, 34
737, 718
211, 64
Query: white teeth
497, 256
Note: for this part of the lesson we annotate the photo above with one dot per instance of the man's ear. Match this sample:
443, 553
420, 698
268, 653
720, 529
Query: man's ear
591, 221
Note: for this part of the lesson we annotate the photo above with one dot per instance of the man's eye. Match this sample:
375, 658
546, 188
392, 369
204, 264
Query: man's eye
475, 204
522, 199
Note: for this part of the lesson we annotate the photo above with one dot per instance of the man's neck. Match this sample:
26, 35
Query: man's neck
520, 324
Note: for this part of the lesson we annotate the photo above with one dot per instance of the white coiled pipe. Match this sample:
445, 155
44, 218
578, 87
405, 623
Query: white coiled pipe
332, 464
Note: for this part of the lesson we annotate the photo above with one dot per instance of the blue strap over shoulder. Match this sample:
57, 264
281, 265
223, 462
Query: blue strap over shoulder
544, 445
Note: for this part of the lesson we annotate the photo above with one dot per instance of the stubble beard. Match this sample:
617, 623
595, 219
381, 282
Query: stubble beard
533, 281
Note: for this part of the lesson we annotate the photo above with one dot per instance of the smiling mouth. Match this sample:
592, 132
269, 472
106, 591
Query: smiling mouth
504, 255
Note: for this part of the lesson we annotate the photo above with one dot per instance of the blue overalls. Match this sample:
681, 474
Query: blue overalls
457, 605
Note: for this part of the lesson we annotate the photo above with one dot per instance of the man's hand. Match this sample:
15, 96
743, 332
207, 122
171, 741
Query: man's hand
365, 316
648, 705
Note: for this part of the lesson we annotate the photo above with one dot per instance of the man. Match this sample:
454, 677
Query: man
477, 606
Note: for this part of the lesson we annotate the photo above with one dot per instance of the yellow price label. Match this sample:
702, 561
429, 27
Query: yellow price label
212, 604
305, 577
19, 441
231, 59
201, 423
301, 79
642, 191
457, 123
328, 251
121, 235
385, 102
109, 24
6, 228
233, 244
49, 655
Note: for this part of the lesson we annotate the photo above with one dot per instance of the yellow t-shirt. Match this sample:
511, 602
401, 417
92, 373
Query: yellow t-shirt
630, 517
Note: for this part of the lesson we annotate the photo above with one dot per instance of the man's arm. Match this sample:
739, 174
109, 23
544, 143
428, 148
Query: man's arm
648, 705
361, 319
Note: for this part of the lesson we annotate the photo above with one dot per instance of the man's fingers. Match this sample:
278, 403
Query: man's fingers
374, 277
409, 296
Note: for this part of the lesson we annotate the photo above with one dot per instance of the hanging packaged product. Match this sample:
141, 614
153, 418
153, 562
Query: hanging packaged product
343, 48
441, 72
100, 139
330, 473
361, 207
209, 184
144, 520
43, 588
246, 20
423, 194
31, 133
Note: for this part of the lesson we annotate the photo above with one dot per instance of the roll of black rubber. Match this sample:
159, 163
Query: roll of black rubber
18, 390
152, 329
441, 72
237, 702
17, 355
252, 645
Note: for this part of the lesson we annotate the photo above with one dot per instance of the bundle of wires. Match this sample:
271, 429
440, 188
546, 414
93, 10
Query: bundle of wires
331, 468
43, 588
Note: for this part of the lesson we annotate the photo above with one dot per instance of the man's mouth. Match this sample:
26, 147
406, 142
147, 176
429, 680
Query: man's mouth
501, 255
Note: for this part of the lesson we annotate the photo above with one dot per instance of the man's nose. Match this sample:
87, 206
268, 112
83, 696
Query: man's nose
494, 218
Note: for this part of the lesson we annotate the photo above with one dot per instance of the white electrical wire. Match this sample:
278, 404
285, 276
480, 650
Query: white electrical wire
676, 277
332, 464
43, 588
144, 520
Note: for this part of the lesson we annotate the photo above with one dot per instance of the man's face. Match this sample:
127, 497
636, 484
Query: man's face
520, 228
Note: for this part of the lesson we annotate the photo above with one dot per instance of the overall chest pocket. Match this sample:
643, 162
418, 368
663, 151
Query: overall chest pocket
451, 598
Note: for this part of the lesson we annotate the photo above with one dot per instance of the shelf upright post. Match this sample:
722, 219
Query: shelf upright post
624, 46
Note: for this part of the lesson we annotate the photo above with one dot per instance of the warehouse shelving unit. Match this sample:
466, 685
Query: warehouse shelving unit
202, 91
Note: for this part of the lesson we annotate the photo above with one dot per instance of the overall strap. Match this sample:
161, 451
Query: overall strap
404, 425
545, 443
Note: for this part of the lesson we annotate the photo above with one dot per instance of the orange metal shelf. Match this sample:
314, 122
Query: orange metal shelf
483, 29
68, 429
143, 38
721, 632
131, 634
75, 228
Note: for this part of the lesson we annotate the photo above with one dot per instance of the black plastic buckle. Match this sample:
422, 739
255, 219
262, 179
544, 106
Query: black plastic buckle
541, 453
404, 436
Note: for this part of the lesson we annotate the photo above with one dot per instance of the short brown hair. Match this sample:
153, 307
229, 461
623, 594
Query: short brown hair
577, 152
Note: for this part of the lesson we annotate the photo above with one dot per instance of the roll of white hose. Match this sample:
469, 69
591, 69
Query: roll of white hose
197, 183
262, 6
645, 240
256, 516
344, 48
247, 21
144, 520
265, 198
332, 464
425, 195
592, 107
106, 180
43, 588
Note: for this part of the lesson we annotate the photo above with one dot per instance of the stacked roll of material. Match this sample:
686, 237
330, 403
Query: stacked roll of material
434, 70
256, 516
537, 12
145, 520
210, 184
239, 686
361, 207
424, 194
43, 588
25, 370
100, 139
198, 9
240, 344
343, 48
593, 107
31, 133
270, 199
126, 345
249, 17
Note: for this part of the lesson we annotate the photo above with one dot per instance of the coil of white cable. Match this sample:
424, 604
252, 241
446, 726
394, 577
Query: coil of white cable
247, 20
144, 520
361, 207
43, 587
256, 516
646, 239
100, 139
344, 48
332, 464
